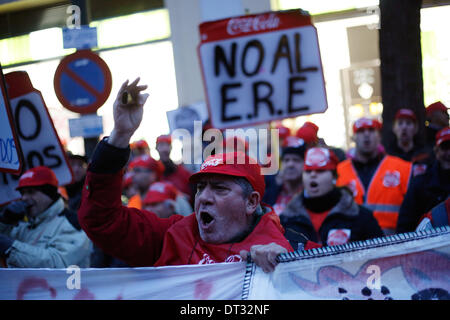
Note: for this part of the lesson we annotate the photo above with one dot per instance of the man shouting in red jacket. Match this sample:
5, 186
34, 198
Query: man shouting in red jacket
228, 224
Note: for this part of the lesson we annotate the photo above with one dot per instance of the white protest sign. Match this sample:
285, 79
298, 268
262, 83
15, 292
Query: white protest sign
184, 117
10, 160
260, 68
37, 135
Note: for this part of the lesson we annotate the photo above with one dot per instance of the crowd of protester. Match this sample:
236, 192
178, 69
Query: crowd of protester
126, 208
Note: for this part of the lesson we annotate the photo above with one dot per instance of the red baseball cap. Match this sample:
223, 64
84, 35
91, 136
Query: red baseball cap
237, 164
437, 106
283, 131
308, 132
159, 192
406, 114
37, 176
146, 161
167, 138
320, 159
442, 136
140, 144
366, 123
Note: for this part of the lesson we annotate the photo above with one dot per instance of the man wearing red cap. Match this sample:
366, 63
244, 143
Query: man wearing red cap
173, 173
228, 223
160, 199
378, 181
428, 189
323, 212
139, 148
405, 129
436, 119
47, 239
145, 171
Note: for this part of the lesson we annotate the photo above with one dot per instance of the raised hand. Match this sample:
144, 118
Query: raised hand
128, 111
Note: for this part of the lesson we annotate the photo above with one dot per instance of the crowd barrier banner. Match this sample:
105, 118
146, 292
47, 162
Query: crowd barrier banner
406, 266
191, 282
409, 266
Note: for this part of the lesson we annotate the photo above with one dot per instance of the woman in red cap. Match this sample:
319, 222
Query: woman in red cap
323, 212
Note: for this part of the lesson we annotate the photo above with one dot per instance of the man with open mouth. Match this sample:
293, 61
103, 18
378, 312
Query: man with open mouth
229, 222
323, 212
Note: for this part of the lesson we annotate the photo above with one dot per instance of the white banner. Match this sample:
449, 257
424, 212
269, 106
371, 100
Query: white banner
406, 266
190, 282
400, 267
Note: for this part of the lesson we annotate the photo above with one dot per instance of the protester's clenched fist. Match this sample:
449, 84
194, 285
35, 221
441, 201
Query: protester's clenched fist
128, 111
264, 256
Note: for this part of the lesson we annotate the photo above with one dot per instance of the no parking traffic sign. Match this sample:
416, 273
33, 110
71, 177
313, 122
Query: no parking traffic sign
82, 82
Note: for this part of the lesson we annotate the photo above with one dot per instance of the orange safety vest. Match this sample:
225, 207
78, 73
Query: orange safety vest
386, 189
135, 202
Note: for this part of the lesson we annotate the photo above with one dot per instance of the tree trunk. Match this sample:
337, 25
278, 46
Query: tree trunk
401, 64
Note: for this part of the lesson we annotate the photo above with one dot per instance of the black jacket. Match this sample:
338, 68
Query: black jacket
346, 214
272, 191
425, 192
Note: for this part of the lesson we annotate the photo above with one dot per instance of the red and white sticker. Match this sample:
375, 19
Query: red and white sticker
391, 179
338, 236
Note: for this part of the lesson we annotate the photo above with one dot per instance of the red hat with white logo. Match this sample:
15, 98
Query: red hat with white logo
159, 192
146, 161
366, 123
38, 176
237, 164
165, 138
406, 114
437, 106
320, 159
442, 136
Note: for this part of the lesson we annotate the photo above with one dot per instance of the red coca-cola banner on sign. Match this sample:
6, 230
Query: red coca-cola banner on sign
252, 24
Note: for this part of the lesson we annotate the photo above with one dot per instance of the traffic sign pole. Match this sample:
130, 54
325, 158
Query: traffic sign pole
91, 142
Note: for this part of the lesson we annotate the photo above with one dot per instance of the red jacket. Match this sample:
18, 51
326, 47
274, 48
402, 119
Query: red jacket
140, 238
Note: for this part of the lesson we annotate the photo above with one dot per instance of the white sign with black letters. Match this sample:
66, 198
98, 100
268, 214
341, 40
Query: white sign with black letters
37, 135
260, 68
10, 160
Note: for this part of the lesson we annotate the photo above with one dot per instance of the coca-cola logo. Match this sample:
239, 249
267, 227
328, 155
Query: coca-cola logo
391, 179
252, 24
